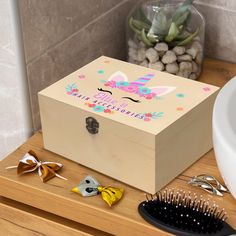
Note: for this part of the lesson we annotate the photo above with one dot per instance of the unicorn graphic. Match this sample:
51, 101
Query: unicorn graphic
120, 81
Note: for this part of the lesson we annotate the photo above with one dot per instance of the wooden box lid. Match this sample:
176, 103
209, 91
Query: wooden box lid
139, 97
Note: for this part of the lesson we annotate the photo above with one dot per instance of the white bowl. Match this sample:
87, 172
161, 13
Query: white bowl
224, 134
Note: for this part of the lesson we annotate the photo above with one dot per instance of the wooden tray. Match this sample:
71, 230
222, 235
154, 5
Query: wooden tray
56, 199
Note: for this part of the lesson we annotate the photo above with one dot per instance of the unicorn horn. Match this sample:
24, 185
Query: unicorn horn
143, 80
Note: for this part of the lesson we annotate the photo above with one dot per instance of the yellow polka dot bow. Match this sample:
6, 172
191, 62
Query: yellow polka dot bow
91, 187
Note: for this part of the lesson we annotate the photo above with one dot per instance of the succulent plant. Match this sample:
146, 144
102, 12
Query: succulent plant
164, 28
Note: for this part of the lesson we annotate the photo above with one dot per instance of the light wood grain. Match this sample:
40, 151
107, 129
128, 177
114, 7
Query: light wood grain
122, 219
19, 219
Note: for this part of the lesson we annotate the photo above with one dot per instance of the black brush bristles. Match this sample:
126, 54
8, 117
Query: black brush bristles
184, 214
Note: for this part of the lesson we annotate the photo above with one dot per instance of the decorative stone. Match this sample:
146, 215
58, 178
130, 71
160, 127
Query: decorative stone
185, 57
132, 54
141, 54
131, 60
197, 38
194, 67
152, 55
179, 50
193, 51
157, 66
144, 63
193, 76
198, 58
184, 74
132, 44
161, 54
197, 45
169, 57
142, 45
161, 47
185, 66
172, 68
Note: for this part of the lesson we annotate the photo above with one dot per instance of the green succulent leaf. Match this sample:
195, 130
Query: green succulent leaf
142, 17
181, 14
173, 32
182, 19
145, 39
153, 38
160, 24
182, 35
137, 31
140, 25
189, 38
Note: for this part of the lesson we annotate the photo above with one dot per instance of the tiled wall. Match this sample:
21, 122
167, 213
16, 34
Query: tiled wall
220, 18
61, 36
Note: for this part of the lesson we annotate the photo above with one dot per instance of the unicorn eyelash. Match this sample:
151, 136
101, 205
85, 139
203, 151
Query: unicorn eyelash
103, 90
133, 100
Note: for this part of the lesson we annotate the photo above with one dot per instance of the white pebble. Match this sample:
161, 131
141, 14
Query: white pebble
131, 60
172, 68
185, 57
193, 76
194, 67
144, 63
199, 58
197, 38
197, 45
161, 47
184, 74
185, 66
193, 51
161, 54
152, 55
132, 44
169, 57
142, 44
141, 54
157, 66
132, 54
179, 50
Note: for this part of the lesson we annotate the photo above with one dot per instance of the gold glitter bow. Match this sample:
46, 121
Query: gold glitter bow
91, 187
30, 162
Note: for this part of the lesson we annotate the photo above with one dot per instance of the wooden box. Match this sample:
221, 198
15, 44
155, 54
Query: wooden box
135, 124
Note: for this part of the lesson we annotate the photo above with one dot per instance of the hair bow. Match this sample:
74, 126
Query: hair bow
30, 162
91, 187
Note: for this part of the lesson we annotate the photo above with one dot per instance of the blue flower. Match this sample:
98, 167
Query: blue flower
98, 108
122, 83
144, 90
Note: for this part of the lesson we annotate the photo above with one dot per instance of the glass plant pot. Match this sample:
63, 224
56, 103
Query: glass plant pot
167, 36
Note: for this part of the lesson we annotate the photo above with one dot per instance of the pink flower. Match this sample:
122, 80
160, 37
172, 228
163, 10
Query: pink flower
150, 96
111, 84
148, 114
91, 105
130, 88
147, 119
107, 111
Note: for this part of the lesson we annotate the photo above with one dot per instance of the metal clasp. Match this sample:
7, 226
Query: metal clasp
92, 125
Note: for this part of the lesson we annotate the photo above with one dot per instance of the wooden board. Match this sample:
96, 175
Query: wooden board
122, 219
19, 219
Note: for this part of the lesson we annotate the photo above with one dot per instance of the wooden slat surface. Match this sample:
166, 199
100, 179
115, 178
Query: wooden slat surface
17, 219
122, 219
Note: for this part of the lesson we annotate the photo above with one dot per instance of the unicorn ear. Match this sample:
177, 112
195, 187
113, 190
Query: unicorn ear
118, 76
162, 90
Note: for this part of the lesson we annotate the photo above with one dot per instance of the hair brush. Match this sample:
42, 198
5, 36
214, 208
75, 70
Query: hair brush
184, 214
